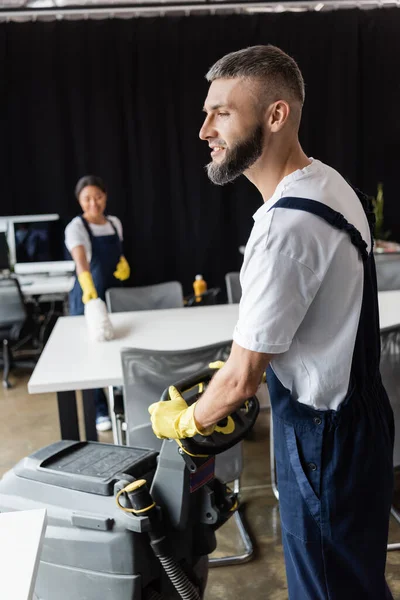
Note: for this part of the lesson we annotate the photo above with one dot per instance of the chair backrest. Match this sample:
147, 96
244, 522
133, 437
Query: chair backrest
233, 287
146, 374
150, 297
388, 271
390, 371
12, 308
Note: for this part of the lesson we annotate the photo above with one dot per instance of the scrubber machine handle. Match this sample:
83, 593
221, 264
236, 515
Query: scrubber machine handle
228, 432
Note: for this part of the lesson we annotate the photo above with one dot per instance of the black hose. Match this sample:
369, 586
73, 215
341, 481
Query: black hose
140, 500
179, 579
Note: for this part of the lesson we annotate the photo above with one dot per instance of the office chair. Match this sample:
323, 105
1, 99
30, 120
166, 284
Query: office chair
149, 297
390, 371
387, 271
233, 287
146, 374
13, 317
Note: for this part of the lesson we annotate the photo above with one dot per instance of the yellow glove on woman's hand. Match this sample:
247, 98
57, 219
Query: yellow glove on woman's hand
87, 284
174, 419
123, 270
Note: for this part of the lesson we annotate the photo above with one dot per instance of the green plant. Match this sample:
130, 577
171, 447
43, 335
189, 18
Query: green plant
377, 203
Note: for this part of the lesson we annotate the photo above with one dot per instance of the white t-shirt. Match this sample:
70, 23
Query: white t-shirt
76, 234
302, 284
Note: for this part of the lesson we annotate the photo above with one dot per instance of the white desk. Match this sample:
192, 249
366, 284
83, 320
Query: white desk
41, 285
70, 361
21, 540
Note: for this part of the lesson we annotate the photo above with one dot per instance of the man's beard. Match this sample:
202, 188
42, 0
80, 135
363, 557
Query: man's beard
237, 160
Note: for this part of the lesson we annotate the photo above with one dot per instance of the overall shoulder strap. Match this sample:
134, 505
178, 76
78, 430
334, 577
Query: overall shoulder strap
113, 226
333, 217
86, 226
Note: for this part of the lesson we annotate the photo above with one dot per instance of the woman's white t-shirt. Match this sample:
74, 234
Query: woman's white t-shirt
76, 234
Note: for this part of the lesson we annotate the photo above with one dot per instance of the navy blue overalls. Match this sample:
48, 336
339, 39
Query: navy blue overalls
106, 252
335, 468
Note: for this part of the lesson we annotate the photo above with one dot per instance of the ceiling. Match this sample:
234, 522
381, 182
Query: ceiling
21, 10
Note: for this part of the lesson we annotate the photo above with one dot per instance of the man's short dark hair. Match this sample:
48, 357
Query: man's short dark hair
277, 72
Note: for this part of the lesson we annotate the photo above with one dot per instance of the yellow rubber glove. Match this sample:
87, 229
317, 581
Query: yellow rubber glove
87, 284
123, 269
175, 419
218, 364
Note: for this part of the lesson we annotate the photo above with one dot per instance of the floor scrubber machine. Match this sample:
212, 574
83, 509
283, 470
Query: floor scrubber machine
128, 523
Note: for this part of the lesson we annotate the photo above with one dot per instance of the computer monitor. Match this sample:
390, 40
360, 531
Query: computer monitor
4, 254
37, 244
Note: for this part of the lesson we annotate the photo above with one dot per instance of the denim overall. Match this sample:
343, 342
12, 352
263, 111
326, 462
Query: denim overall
106, 252
335, 468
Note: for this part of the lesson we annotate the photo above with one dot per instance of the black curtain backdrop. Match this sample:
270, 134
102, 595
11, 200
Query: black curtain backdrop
123, 99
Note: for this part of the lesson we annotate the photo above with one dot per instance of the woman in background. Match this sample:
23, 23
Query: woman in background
95, 243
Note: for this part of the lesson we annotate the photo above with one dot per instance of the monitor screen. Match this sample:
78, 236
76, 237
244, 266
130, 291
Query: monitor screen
41, 241
4, 255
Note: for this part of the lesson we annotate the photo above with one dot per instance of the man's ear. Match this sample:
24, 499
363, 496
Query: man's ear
279, 113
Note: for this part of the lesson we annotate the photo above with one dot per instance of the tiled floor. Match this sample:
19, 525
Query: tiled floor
30, 422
